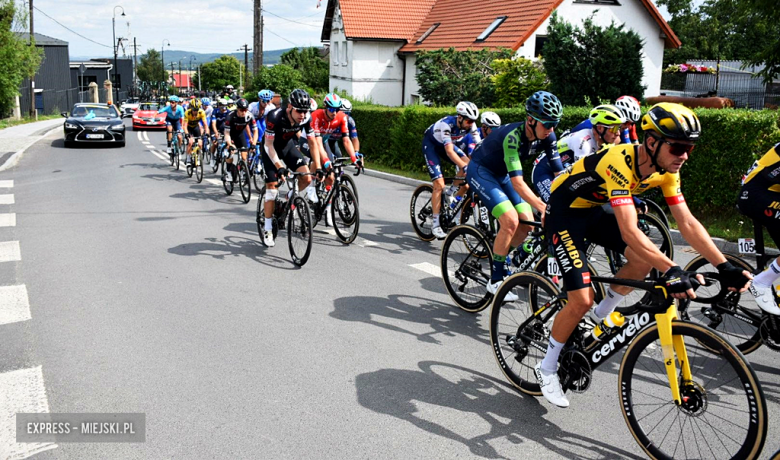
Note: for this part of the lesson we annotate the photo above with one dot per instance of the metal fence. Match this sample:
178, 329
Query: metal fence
49, 102
744, 89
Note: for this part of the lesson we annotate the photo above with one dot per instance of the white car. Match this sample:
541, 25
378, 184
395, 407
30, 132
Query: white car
129, 107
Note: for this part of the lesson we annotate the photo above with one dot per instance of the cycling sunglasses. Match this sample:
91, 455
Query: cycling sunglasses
679, 150
615, 129
332, 109
301, 110
546, 124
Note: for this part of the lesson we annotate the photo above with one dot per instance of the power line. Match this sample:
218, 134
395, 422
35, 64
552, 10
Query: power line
70, 30
288, 41
290, 20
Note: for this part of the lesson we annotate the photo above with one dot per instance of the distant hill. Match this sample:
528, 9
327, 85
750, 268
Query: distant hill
269, 57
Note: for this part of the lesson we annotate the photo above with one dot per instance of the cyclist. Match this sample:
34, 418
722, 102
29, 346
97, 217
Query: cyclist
575, 214
332, 145
631, 112
439, 142
217, 121
489, 121
240, 131
605, 121
758, 200
281, 151
496, 174
206, 103
173, 117
195, 118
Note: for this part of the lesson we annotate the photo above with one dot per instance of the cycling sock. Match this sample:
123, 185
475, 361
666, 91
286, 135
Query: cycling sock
269, 225
608, 303
768, 277
436, 220
499, 268
509, 254
550, 361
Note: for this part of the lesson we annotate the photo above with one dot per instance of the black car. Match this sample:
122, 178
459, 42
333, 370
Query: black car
93, 122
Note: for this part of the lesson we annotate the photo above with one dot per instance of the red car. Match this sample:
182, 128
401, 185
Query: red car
146, 117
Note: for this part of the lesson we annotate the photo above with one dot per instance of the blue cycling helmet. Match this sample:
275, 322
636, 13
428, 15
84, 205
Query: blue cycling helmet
205, 101
333, 101
173, 98
544, 106
265, 95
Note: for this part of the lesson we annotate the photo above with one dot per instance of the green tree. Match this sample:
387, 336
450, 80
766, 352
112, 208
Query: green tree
280, 78
313, 68
517, 79
150, 66
592, 62
448, 76
18, 59
221, 72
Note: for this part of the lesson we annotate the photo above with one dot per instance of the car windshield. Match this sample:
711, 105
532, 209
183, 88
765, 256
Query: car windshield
94, 111
148, 106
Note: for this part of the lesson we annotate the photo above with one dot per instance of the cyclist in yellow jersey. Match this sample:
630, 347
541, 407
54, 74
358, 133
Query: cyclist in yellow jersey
193, 117
574, 214
759, 199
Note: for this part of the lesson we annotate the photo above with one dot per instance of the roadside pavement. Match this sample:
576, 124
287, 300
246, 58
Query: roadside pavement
16, 139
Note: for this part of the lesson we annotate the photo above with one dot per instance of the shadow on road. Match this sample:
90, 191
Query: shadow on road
395, 237
60, 144
479, 399
234, 246
393, 311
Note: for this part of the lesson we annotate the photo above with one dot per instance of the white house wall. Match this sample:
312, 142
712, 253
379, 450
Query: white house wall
634, 15
412, 88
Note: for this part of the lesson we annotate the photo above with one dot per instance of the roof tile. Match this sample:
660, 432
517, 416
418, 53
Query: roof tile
389, 20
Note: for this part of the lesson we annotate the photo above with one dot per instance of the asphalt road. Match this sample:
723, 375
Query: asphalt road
150, 293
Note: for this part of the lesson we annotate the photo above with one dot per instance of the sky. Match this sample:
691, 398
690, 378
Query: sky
202, 26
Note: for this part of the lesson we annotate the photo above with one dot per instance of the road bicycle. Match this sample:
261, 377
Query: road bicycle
219, 156
291, 213
684, 391
421, 210
206, 149
176, 148
196, 164
255, 164
736, 316
344, 210
242, 174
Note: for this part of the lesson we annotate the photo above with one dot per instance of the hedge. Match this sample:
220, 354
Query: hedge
731, 141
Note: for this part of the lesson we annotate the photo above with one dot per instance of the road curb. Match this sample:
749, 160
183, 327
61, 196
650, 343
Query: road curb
726, 247
393, 177
14, 159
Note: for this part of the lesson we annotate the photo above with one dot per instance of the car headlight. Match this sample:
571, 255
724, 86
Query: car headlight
71, 126
118, 127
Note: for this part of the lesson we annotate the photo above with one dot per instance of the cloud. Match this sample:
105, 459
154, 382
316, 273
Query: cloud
201, 26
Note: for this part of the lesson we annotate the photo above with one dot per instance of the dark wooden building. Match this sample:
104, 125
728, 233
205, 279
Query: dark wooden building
53, 90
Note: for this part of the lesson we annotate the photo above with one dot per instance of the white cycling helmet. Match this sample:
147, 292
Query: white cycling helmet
491, 119
346, 106
313, 104
630, 107
467, 110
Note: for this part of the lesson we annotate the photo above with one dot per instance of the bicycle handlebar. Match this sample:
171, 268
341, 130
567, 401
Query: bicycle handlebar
658, 293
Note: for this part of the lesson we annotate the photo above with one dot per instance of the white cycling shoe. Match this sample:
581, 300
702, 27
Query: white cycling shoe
551, 387
328, 217
311, 194
438, 233
493, 288
268, 238
765, 299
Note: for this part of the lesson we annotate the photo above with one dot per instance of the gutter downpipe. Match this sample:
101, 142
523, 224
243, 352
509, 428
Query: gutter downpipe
403, 81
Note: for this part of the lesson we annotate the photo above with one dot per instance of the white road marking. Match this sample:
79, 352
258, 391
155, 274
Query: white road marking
214, 182
9, 251
8, 220
366, 243
139, 135
21, 391
428, 268
7, 198
6, 183
161, 156
149, 146
14, 304
146, 136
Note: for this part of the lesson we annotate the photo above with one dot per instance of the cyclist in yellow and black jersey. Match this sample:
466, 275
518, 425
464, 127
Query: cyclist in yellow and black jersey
759, 199
193, 118
575, 217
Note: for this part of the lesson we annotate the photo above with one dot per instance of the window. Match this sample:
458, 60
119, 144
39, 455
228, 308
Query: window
86, 80
428, 32
344, 54
416, 99
335, 55
540, 39
491, 28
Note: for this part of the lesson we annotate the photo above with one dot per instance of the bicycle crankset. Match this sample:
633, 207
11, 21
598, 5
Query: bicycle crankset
576, 371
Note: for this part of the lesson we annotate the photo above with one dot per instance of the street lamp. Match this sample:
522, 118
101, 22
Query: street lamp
113, 25
189, 70
162, 47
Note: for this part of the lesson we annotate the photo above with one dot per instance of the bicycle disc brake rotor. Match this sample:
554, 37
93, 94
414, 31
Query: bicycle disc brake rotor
577, 371
769, 335
694, 399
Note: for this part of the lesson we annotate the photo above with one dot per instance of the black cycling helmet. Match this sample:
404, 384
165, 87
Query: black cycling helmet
242, 104
544, 106
299, 99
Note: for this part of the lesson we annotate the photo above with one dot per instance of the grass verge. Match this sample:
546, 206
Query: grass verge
7, 123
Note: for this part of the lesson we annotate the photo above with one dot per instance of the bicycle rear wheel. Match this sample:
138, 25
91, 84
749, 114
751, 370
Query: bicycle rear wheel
518, 337
421, 212
191, 165
176, 155
737, 317
217, 160
466, 268
244, 184
260, 217
349, 182
345, 214
657, 211
723, 413
299, 231
198, 167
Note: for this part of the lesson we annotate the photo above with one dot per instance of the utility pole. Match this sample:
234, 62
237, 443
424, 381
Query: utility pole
246, 49
257, 60
33, 112
135, 68
172, 74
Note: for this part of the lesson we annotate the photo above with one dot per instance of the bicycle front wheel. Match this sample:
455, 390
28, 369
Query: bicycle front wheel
345, 214
198, 168
466, 268
244, 183
723, 413
176, 155
349, 182
299, 233
421, 212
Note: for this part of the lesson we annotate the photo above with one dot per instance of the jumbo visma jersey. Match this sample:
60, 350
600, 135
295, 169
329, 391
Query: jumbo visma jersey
609, 176
766, 171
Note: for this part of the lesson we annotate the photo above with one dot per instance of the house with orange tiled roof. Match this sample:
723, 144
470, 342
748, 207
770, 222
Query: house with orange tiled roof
373, 42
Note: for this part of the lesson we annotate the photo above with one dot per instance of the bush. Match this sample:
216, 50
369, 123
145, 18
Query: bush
517, 79
280, 78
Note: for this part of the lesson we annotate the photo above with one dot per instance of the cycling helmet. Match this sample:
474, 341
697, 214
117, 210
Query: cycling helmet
205, 101
173, 98
313, 105
229, 87
299, 99
630, 107
491, 119
265, 95
606, 115
672, 121
544, 106
242, 104
332, 101
346, 106
467, 110
195, 105
221, 102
